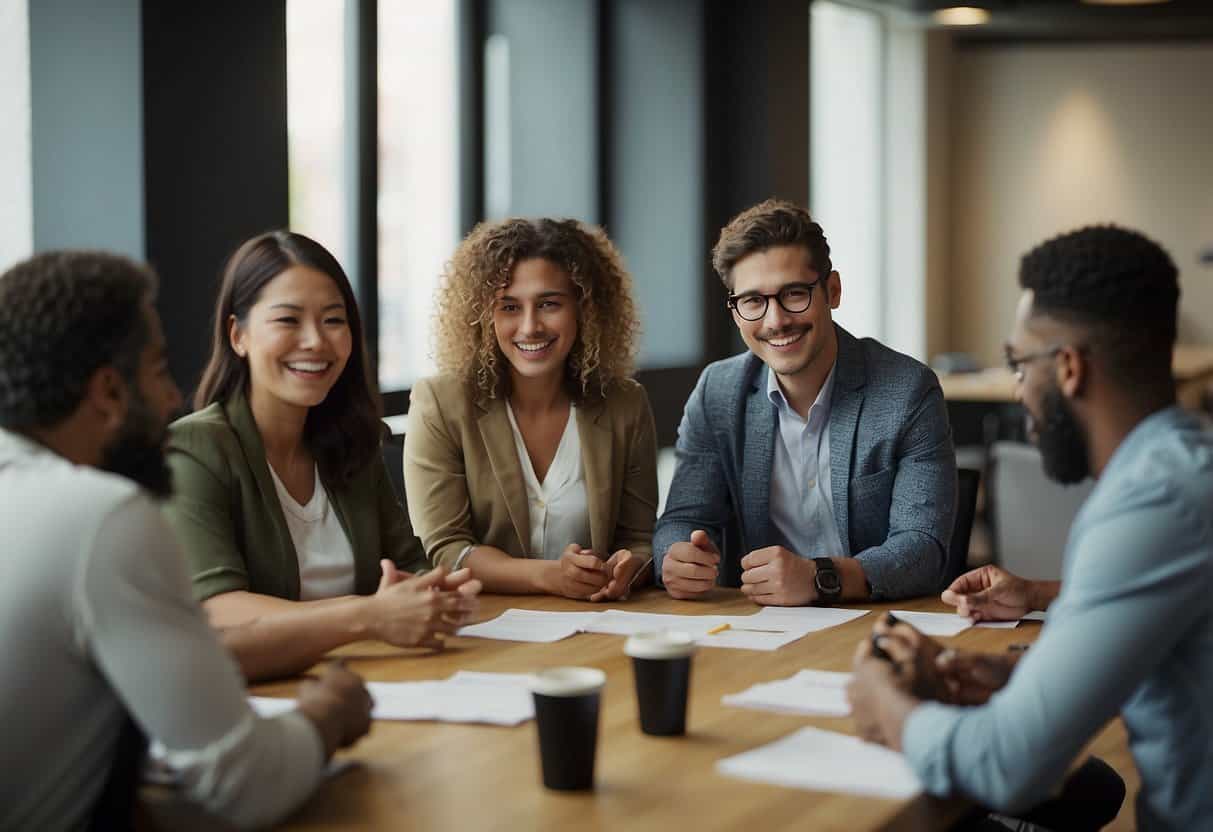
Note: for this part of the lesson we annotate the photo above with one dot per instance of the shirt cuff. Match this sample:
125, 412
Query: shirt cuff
463, 554
925, 741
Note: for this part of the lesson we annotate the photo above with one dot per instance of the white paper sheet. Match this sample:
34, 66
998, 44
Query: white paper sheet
744, 632
270, 706
809, 619
997, 625
1034, 615
492, 698
530, 625
826, 761
809, 692
628, 623
935, 623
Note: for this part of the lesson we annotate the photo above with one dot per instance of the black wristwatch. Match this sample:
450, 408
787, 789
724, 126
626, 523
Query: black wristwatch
829, 585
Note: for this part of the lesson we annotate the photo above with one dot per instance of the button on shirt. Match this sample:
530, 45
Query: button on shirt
802, 506
557, 507
1131, 631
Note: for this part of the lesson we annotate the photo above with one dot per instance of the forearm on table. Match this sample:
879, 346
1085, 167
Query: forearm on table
908, 564
854, 579
272, 637
500, 572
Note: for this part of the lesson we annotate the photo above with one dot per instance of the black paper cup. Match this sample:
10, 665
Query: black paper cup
661, 662
566, 714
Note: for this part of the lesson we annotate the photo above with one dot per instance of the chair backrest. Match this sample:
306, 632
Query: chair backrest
967, 482
1030, 513
393, 458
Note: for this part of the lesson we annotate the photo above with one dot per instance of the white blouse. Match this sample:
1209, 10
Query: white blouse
557, 507
326, 559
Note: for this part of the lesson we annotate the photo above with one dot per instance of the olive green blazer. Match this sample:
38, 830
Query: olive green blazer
230, 524
465, 483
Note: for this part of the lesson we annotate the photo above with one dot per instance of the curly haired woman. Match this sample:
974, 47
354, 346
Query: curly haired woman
531, 458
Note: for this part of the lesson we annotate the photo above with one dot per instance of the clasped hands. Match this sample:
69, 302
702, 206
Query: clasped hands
418, 610
584, 575
883, 691
771, 576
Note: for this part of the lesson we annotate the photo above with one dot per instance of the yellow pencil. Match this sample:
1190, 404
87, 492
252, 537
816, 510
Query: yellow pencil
719, 628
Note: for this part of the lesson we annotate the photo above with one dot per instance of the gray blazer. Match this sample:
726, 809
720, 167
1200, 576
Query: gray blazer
892, 466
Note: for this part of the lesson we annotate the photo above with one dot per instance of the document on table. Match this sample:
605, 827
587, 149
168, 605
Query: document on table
743, 632
531, 625
809, 619
768, 629
809, 692
935, 623
826, 761
947, 623
492, 698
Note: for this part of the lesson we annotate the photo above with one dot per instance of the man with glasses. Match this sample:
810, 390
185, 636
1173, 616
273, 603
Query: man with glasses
819, 464
1130, 626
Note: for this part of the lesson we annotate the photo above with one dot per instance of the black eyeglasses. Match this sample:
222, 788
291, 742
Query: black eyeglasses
1015, 363
793, 298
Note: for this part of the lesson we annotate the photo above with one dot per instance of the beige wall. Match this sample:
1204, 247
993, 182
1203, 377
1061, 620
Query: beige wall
1048, 138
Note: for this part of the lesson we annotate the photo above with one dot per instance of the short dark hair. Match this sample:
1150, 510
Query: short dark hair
774, 222
344, 432
1120, 286
63, 316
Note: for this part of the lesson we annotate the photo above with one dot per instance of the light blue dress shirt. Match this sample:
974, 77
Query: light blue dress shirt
1132, 631
802, 504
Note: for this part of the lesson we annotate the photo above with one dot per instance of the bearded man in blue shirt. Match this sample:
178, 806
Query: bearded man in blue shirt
1130, 626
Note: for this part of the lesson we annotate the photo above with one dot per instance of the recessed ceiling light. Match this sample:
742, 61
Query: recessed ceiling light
961, 16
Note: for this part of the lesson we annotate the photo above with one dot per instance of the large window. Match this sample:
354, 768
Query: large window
847, 95
316, 126
419, 187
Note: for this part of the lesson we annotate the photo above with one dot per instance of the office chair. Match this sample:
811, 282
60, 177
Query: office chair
967, 482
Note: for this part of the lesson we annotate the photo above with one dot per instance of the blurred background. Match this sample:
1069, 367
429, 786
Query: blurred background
934, 145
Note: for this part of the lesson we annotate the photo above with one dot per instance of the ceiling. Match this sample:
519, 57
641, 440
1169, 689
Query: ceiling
1071, 19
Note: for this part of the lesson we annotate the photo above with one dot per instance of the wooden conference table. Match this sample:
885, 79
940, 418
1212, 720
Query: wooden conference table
431, 776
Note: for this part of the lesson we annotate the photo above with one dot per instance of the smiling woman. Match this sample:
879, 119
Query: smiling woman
284, 508
532, 457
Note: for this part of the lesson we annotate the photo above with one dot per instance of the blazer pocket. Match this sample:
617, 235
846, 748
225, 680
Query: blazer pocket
870, 499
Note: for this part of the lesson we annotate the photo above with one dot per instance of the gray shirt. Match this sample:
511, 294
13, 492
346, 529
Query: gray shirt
802, 503
1131, 631
97, 620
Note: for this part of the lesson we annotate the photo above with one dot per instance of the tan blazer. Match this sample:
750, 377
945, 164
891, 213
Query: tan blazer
464, 480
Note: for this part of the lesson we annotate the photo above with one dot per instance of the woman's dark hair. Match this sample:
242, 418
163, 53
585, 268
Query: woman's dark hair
343, 432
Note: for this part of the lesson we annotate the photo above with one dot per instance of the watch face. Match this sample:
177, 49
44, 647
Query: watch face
828, 581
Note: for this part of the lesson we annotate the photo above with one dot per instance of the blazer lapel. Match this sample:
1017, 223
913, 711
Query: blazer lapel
352, 515
851, 373
498, 438
596, 443
240, 416
758, 458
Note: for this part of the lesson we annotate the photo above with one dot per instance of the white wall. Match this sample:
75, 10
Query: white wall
16, 206
1047, 138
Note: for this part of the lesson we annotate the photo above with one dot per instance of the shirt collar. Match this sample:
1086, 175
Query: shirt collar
822, 402
15, 447
1157, 422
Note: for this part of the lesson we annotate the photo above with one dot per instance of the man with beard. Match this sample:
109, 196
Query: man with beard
825, 461
96, 616
1130, 627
